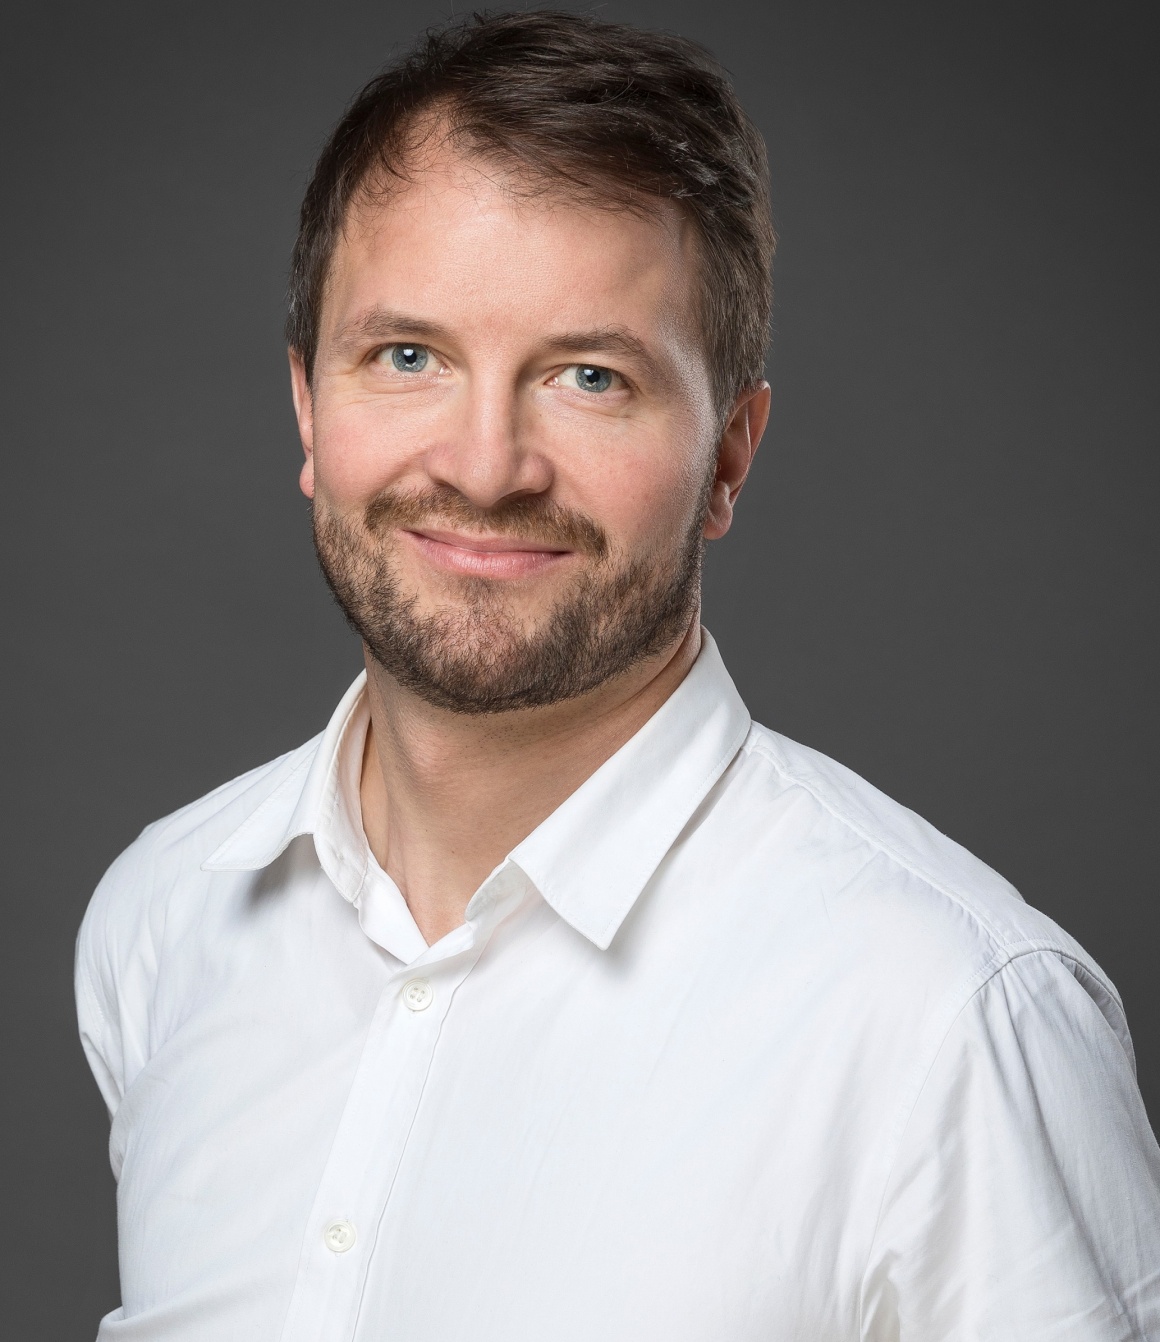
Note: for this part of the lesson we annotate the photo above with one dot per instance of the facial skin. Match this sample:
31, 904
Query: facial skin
520, 553
510, 439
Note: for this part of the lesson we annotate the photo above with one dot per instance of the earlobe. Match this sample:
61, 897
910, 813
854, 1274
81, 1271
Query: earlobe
719, 516
304, 413
739, 440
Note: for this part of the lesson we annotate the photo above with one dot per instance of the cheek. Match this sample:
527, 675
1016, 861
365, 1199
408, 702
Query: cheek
357, 450
653, 482
645, 501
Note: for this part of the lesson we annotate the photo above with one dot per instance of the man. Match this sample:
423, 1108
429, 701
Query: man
544, 995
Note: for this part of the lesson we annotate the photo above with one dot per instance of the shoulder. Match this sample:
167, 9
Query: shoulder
917, 903
183, 840
123, 926
191, 833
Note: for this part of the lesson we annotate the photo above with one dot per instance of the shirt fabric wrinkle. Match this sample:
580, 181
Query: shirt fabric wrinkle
686, 1072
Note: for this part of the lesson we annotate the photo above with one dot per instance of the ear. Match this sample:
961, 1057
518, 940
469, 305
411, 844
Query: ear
304, 413
739, 440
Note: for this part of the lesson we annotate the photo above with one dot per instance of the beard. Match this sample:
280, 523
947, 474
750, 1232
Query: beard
475, 654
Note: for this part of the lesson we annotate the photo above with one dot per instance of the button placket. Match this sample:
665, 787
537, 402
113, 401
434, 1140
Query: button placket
369, 1145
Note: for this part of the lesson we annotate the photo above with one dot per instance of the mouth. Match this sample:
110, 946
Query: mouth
482, 556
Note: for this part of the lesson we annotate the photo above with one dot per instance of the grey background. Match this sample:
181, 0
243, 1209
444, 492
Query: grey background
943, 569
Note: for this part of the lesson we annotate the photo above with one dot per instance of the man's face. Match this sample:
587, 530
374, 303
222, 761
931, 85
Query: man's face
510, 438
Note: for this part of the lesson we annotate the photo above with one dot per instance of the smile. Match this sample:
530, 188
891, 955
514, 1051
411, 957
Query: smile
485, 556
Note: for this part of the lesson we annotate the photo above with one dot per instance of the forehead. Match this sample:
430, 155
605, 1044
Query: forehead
476, 238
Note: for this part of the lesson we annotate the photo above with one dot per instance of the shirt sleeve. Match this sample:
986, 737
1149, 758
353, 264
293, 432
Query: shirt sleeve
1024, 1200
99, 1036
111, 944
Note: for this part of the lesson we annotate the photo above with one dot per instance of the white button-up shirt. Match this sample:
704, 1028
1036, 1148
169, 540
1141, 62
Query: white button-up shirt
730, 1048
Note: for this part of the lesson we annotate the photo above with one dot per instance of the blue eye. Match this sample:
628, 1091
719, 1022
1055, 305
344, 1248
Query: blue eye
409, 358
592, 379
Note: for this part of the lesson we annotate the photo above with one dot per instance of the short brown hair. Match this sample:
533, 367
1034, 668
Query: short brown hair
601, 110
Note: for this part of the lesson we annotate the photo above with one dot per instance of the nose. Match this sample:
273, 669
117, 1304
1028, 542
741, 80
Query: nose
488, 453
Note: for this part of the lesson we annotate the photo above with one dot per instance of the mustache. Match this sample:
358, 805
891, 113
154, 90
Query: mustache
530, 517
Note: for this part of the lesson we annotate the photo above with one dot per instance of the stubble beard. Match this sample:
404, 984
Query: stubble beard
474, 655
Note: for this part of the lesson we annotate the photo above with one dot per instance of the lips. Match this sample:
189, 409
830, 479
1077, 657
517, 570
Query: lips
488, 544
485, 556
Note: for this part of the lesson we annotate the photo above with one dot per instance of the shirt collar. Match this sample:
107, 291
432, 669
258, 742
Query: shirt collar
590, 859
593, 856
309, 801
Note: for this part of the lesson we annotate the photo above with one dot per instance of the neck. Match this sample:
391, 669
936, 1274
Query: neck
446, 796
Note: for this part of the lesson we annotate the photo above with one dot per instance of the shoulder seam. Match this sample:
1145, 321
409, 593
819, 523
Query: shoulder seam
997, 939
1001, 961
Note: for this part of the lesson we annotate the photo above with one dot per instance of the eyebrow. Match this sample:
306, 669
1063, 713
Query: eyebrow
379, 323
608, 340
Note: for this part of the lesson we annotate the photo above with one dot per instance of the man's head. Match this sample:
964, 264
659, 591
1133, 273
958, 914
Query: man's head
529, 311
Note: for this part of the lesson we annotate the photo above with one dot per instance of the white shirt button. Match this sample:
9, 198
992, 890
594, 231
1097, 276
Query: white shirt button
339, 1236
418, 995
